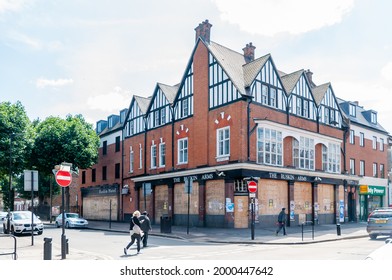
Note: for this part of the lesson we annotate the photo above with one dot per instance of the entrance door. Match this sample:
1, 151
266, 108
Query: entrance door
351, 211
241, 212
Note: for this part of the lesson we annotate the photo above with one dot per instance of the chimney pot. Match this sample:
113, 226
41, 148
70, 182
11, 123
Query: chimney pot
249, 52
203, 31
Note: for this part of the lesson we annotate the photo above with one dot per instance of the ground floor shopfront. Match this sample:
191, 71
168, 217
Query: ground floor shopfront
371, 197
210, 198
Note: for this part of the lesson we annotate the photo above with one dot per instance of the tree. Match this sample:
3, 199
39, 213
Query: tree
59, 140
16, 141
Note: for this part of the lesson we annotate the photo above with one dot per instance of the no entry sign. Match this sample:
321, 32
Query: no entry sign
63, 178
252, 186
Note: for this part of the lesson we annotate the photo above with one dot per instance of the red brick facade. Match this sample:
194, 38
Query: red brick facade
218, 196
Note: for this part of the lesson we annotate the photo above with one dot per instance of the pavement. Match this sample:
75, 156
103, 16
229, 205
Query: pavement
296, 235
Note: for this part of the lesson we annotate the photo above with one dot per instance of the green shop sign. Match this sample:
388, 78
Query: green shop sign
371, 190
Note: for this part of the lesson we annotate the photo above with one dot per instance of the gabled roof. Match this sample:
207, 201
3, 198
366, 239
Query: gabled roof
169, 91
253, 68
231, 62
319, 92
289, 81
143, 102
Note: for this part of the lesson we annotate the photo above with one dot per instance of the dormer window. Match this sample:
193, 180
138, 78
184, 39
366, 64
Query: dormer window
373, 118
353, 111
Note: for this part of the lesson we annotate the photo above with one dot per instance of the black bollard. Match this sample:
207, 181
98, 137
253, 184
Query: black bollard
47, 248
338, 230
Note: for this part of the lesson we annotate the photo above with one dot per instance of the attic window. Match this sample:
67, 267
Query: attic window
353, 112
110, 122
373, 118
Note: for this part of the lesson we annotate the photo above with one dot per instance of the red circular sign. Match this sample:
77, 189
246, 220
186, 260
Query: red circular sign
63, 178
252, 186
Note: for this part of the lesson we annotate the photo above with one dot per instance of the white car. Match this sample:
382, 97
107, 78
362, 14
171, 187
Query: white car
382, 253
20, 223
71, 220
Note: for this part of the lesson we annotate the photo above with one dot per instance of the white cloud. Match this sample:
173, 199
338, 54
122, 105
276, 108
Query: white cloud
42, 82
386, 71
113, 101
293, 17
12, 5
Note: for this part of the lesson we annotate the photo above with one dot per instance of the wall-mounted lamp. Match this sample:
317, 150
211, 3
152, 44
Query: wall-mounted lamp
317, 179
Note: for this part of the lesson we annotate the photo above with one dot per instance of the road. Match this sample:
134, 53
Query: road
111, 244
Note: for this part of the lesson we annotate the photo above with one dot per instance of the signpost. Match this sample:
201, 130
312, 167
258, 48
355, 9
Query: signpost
63, 178
31, 184
252, 188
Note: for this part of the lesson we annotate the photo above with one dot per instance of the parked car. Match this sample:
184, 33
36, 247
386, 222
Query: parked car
380, 223
3, 215
71, 220
20, 223
382, 253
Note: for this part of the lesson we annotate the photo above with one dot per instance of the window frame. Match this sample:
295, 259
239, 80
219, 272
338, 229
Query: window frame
162, 154
182, 151
223, 142
153, 156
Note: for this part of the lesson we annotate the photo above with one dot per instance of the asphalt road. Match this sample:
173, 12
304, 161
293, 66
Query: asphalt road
110, 246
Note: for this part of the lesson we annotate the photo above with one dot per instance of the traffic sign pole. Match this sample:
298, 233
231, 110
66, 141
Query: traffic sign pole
252, 188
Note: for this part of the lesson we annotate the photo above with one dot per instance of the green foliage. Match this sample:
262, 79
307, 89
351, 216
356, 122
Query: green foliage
40, 145
69, 140
16, 138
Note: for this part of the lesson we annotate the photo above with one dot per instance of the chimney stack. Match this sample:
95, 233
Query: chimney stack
249, 52
309, 75
203, 31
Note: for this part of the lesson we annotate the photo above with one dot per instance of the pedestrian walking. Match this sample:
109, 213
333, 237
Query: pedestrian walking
146, 227
281, 222
135, 232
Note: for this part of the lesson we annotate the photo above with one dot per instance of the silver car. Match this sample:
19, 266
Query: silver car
380, 223
71, 220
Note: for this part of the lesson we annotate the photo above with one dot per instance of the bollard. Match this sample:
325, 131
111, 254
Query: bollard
47, 248
338, 230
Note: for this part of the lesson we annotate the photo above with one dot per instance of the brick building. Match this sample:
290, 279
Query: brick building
188, 151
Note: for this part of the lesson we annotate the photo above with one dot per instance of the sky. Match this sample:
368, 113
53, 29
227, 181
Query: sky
90, 57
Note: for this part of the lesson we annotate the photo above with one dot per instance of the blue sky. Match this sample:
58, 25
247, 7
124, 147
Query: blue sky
90, 57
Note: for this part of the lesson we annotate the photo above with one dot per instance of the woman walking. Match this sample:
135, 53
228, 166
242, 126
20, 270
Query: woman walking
135, 231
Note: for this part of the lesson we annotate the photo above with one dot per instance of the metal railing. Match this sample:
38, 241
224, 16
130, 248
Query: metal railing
14, 255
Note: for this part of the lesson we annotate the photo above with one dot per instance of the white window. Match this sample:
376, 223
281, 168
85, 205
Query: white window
303, 153
264, 94
272, 97
163, 116
154, 156
223, 142
352, 166
162, 154
157, 118
382, 174
140, 157
362, 168
185, 107
362, 139
381, 144
374, 169
374, 143
131, 159
183, 151
373, 117
306, 108
334, 158
352, 137
352, 110
269, 146
299, 106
